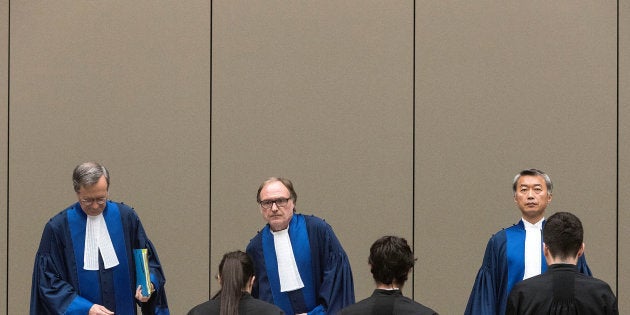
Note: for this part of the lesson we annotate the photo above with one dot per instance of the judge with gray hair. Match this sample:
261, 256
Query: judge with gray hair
85, 261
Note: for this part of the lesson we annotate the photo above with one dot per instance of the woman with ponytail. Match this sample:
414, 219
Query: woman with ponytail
236, 277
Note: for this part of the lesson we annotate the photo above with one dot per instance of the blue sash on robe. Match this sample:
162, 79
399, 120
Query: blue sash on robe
302, 252
515, 253
89, 285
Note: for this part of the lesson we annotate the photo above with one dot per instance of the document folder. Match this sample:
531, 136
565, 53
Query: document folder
143, 276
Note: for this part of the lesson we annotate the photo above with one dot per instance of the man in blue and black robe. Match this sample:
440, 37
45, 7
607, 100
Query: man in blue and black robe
515, 253
85, 260
562, 289
300, 264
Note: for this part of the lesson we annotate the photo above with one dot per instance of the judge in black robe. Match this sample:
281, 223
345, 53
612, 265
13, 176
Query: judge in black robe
562, 290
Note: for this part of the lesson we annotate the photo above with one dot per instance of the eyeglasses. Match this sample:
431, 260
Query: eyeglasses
89, 201
280, 202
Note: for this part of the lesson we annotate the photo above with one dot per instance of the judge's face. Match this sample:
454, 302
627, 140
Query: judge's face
532, 197
93, 198
272, 206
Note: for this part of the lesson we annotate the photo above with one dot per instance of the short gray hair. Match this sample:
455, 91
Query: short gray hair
533, 172
88, 174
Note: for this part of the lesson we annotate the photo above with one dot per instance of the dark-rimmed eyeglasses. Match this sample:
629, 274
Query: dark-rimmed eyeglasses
280, 202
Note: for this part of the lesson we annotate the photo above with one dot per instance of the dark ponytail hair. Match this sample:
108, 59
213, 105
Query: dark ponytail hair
235, 270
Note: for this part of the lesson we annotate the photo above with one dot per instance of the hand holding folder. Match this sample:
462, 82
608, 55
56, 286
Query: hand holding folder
143, 276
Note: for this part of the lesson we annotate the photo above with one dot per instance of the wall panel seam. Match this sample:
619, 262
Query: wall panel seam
6, 297
617, 170
210, 162
413, 150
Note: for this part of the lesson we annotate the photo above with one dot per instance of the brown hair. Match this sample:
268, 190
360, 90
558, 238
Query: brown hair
235, 270
286, 182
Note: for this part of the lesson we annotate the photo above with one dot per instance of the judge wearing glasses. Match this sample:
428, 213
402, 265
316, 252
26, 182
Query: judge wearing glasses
85, 265
299, 263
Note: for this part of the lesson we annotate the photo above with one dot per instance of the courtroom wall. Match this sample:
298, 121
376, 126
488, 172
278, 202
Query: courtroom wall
126, 84
504, 86
391, 117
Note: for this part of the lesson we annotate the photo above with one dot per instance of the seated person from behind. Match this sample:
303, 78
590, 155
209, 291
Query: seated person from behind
562, 289
236, 276
390, 261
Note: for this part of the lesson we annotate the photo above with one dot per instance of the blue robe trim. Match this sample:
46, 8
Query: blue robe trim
502, 267
89, 282
302, 252
515, 248
516, 254
331, 273
55, 284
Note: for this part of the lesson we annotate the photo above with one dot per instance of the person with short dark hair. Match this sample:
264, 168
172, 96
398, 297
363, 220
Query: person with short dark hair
236, 277
390, 261
562, 290
515, 253
85, 261
300, 264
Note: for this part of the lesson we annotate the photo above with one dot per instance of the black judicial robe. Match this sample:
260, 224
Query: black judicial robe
246, 306
562, 290
385, 302
61, 285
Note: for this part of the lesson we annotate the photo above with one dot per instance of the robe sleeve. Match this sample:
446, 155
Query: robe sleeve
259, 289
52, 290
337, 286
157, 304
484, 298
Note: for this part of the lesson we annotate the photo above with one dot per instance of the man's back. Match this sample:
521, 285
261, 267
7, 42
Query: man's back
387, 302
562, 290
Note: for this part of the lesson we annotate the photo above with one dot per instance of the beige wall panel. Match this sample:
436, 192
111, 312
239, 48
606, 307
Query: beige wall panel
321, 93
503, 86
4, 139
125, 83
624, 159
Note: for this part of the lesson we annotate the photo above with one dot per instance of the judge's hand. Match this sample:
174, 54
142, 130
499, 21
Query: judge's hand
99, 310
139, 295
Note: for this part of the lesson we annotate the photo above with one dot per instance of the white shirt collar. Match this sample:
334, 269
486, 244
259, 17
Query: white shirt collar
537, 225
